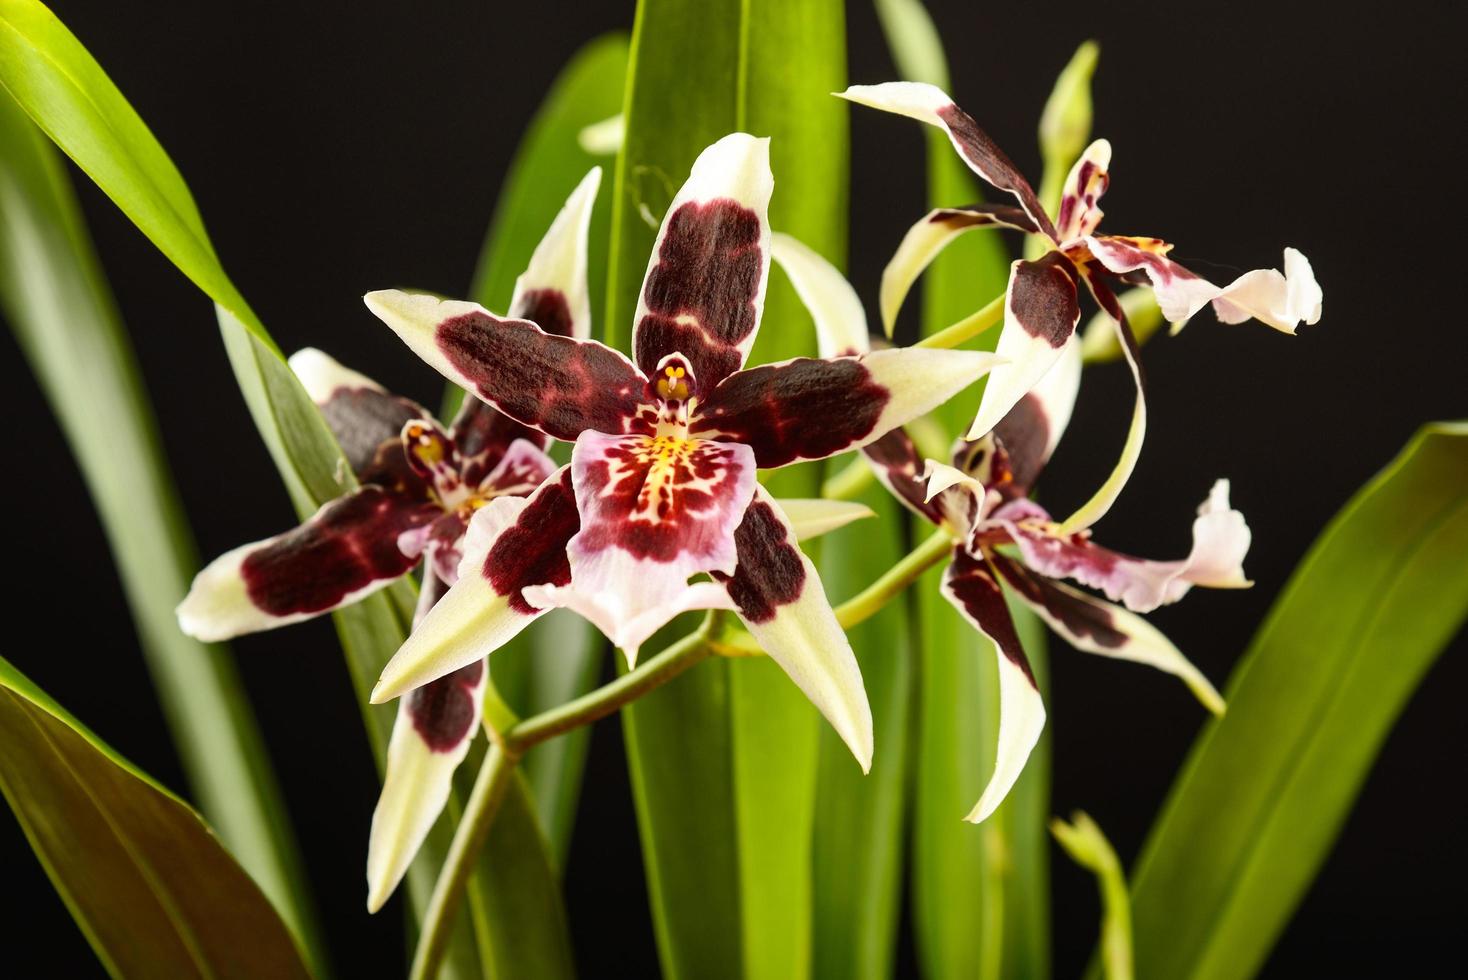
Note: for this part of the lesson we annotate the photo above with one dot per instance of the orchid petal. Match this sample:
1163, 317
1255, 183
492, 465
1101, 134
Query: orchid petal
1041, 309
705, 285
522, 468
552, 292
929, 104
941, 477
841, 323
898, 465
810, 408
811, 518
511, 543
780, 600
1033, 427
970, 585
929, 237
654, 512
1095, 626
1079, 212
1094, 509
559, 385
347, 550
1220, 541
434, 729
1282, 301
482, 434
360, 412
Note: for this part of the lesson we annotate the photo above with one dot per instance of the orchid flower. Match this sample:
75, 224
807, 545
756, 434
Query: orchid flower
1041, 305
420, 483
661, 485
1000, 536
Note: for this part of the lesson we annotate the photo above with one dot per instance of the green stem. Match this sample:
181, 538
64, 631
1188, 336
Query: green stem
897, 578
849, 482
484, 802
967, 328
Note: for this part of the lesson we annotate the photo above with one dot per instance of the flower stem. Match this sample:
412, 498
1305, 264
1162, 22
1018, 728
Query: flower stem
871, 599
967, 328
848, 482
484, 802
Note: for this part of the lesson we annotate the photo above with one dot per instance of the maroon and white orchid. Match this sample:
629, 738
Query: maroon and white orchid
661, 485
420, 484
1001, 536
1041, 306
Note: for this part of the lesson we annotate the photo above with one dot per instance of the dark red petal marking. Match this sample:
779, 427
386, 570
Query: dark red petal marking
443, 710
351, 543
482, 434
1042, 297
559, 385
362, 419
532, 551
900, 469
993, 165
1022, 436
770, 573
981, 215
971, 584
1084, 619
1106, 299
807, 408
546, 308
700, 296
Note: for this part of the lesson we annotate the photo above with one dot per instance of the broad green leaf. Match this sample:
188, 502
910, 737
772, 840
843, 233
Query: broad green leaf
62, 88
151, 887
980, 894
1267, 787
699, 71
56, 300
560, 656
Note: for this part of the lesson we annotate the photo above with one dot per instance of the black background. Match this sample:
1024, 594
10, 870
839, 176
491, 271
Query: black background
335, 148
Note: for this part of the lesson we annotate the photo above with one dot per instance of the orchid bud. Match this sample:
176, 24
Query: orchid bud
1065, 125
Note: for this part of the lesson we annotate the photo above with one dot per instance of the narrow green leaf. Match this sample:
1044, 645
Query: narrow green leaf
1088, 847
699, 71
1267, 788
560, 656
149, 884
68, 95
57, 302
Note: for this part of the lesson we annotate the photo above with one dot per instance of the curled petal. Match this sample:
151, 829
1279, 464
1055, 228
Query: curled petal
970, 585
810, 408
898, 465
434, 729
347, 550
841, 323
926, 239
1220, 541
512, 543
705, 283
360, 412
779, 597
559, 385
1282, 301
654, 512
1096, 626
1080, 212
552, 292
1041, 309
811, 518
928, 103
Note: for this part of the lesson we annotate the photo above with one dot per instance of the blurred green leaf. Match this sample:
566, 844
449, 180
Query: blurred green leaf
560, 656
149, 884
1088, 847
64, 90
1267, 788
700, 70
57, 301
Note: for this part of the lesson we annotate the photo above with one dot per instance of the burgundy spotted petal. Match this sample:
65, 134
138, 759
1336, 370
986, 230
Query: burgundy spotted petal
347, 550
705, 283
969, 584
1080, 211
898, 465
779, 597
361, 413
553, 292
481, 434
559, 385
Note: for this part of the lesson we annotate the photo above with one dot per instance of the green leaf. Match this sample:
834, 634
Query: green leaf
57, 302
560, 656
1088, 847
67, 94
1267, 787
151, 887
699, 71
